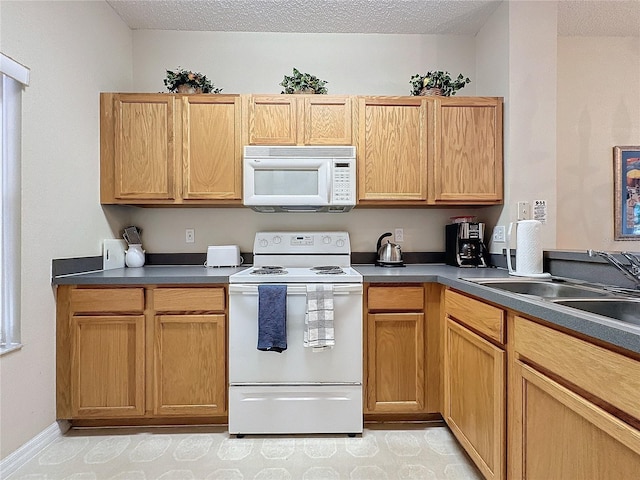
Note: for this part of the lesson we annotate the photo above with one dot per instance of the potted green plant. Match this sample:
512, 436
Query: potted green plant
437, 83
303, 83
185, 81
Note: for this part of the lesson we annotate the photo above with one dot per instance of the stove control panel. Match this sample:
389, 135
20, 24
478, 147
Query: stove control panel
302, 243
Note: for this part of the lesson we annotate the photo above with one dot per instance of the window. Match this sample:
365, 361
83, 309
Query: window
13, 77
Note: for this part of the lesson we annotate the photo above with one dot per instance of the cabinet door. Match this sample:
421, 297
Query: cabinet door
474, 397
212, 150
144, 156
468, 159
189, 373
107, 366
273, 120
326, 120
392, 149
559, 434
396, 363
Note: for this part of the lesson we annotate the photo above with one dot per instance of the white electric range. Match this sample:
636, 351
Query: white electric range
301, 389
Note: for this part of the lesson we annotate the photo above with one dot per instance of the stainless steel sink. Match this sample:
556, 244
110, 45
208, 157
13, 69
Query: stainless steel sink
624, 310
545, 288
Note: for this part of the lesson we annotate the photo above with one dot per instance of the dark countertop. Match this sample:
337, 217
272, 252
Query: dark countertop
150, 275
617, 333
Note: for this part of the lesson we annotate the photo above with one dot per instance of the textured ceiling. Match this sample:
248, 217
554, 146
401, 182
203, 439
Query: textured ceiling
456, 17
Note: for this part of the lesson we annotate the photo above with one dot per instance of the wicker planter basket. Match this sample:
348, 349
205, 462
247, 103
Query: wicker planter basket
431, 92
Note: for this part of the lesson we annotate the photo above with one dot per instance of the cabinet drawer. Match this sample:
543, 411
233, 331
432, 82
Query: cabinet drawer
395, 298
107, 300
610, 376
188, 299
485, 319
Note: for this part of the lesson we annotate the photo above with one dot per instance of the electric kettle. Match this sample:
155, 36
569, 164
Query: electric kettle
528, 249
389, 254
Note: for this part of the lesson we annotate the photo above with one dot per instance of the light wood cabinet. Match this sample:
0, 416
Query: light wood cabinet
475, 380
395, 349
212, 150
182, 150
138, 147
141, 352
190, 351
467, 164
429, 151
299, 120
100, 345
574, 410
163, 149
393, 150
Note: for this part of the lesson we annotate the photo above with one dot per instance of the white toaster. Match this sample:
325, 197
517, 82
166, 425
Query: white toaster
223, 256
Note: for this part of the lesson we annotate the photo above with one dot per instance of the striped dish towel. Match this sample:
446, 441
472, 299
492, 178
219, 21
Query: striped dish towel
318, 319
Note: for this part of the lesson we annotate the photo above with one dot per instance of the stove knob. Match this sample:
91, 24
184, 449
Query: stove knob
277, 239
340, 242
326, 240
263, 242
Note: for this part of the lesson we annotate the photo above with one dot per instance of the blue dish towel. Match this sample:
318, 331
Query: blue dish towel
272, 318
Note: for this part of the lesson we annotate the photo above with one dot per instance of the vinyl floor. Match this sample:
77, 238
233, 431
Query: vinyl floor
425, 452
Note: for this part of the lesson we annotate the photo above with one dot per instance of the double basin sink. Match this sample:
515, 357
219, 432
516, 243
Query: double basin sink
598, 300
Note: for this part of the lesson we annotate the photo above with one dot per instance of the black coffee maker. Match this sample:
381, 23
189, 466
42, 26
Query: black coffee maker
464, 245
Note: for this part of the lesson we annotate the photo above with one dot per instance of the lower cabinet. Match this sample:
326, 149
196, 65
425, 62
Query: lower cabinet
107, 365
190, 351
574, 408
474, 380
396, 350
141, 352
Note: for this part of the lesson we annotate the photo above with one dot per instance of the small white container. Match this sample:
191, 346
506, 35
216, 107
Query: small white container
134, 256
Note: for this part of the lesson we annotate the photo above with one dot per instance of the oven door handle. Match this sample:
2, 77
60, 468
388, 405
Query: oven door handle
338, 289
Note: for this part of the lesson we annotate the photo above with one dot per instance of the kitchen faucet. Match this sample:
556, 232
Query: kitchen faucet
632, 271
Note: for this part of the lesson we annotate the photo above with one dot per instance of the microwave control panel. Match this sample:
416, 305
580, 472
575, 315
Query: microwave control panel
343, 181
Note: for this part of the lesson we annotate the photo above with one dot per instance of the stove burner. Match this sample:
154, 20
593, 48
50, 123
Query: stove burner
269, 270
328, 270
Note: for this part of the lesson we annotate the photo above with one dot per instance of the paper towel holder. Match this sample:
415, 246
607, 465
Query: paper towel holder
529, 258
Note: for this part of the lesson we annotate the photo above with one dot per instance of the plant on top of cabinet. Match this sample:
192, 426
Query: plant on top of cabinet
303, 83
437, 83
186, 81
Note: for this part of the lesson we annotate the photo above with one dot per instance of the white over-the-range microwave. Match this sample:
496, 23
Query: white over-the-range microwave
299, 178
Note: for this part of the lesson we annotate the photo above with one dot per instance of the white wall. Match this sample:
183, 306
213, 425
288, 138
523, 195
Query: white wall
598, 108
257, 62
531, 123
74, 51
492, 70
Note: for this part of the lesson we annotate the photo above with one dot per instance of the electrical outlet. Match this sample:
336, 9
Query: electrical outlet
399, 235
190, 235
499, 234
524, 211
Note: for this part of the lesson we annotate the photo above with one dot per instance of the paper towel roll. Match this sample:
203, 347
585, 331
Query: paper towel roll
528, 248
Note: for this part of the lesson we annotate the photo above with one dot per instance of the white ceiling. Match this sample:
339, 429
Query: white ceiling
455, 17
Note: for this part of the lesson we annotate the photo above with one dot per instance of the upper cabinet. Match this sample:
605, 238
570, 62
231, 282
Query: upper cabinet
211, 147
186, 150
138, 135
429, 150
298, 120
467, 163
170, 149
392, 149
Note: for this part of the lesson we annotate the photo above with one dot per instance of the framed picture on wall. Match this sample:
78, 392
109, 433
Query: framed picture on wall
626, 182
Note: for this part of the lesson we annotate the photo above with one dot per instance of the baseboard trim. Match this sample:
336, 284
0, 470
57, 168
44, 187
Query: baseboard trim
26, 452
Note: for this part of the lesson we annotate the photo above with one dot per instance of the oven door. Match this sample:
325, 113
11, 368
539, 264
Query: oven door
341, 364
286, 181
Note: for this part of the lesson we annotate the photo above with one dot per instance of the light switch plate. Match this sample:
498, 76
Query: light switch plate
113, 253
